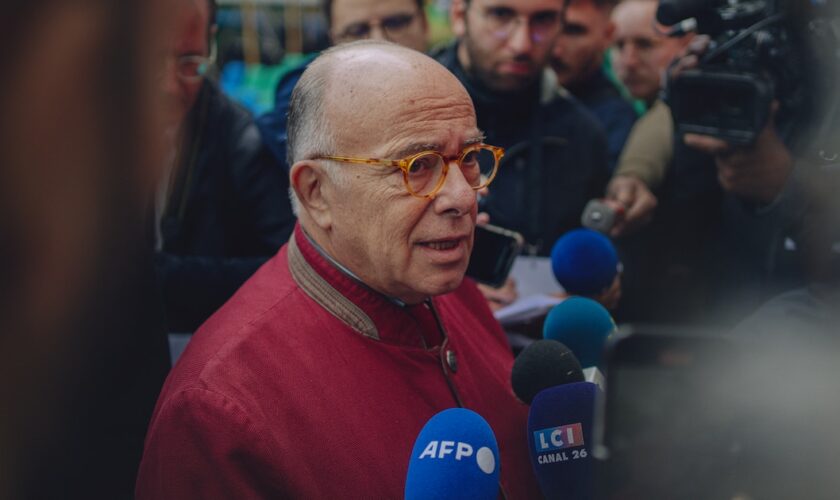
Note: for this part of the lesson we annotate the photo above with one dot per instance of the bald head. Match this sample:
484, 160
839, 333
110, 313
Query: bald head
361, 86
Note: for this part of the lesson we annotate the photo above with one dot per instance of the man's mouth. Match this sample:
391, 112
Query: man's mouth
442, 245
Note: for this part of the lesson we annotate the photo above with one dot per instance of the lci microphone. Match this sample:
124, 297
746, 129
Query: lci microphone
560, 440
455, 456
548, 377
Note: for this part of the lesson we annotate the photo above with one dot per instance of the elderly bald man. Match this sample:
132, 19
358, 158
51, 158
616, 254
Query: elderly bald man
315, 379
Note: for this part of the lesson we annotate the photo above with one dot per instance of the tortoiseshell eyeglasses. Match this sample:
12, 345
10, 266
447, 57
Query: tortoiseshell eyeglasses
424, 173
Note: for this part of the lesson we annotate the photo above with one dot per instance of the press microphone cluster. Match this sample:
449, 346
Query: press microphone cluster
547, 375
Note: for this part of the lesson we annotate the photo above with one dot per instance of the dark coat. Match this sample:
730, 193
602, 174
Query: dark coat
227, 213
555, 160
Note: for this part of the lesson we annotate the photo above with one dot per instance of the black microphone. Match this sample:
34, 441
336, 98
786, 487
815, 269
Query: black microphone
543, 364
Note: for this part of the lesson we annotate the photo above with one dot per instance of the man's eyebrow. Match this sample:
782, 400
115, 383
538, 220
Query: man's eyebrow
477, 139
420, 147
414, 149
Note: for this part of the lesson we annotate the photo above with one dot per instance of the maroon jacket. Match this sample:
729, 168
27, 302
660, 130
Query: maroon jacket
308, 384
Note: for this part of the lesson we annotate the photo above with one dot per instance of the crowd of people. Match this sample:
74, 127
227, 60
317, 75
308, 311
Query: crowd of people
318, 252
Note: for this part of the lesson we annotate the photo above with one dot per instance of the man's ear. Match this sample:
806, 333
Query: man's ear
458, 17
308, 179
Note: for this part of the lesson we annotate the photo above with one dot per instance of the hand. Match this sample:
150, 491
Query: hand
756, 173
638, 202
498, 298
610, 297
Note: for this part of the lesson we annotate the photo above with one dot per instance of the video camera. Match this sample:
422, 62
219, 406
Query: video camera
750, 62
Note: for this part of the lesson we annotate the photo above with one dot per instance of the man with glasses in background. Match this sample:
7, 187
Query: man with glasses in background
399, 21
556, 150
222, 207
316, 378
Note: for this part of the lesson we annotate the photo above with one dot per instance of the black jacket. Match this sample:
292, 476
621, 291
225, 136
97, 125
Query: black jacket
555, 160
227, 213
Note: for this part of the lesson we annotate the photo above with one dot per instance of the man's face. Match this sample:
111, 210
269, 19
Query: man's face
403, 246
189, 38
506, 43
641, 55
398, 21
586, 35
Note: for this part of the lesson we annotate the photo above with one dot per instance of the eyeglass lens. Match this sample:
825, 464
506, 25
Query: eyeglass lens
541, 25
425, 171
192, 67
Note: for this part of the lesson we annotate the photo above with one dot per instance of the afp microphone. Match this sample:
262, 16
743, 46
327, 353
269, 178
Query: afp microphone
584, 262
581, 324
455, 456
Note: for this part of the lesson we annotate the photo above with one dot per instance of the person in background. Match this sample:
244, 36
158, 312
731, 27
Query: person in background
578, 59
642, 53
399, 21
362, 327
557, 152
222, 206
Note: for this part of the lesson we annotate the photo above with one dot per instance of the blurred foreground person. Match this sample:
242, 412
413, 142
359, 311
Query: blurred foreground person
315, 379
82, 348
222, 206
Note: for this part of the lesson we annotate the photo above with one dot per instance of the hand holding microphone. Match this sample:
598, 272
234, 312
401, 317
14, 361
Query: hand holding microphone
634, 200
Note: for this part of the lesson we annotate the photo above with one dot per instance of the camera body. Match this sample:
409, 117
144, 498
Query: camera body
750, 62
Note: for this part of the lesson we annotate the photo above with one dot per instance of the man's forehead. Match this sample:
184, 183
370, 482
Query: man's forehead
585, 13
353, 10
521, 6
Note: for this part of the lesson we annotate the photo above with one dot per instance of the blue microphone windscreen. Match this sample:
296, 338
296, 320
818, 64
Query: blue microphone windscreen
583, 325
455, 456
584, 262
560, 440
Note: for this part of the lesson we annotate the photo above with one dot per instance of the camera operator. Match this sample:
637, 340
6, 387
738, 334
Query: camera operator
738, 198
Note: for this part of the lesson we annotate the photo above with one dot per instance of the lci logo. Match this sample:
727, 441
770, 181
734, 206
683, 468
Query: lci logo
441, 449
558, 438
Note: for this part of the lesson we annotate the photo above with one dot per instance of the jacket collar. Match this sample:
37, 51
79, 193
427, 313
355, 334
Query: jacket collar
365, 310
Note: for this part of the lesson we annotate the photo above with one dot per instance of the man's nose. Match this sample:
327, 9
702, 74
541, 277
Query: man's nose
377, 33
456, 196
629, 55
520, 38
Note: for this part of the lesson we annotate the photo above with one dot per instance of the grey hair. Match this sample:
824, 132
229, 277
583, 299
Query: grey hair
308, 130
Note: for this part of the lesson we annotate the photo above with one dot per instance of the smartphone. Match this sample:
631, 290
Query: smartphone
494, 250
